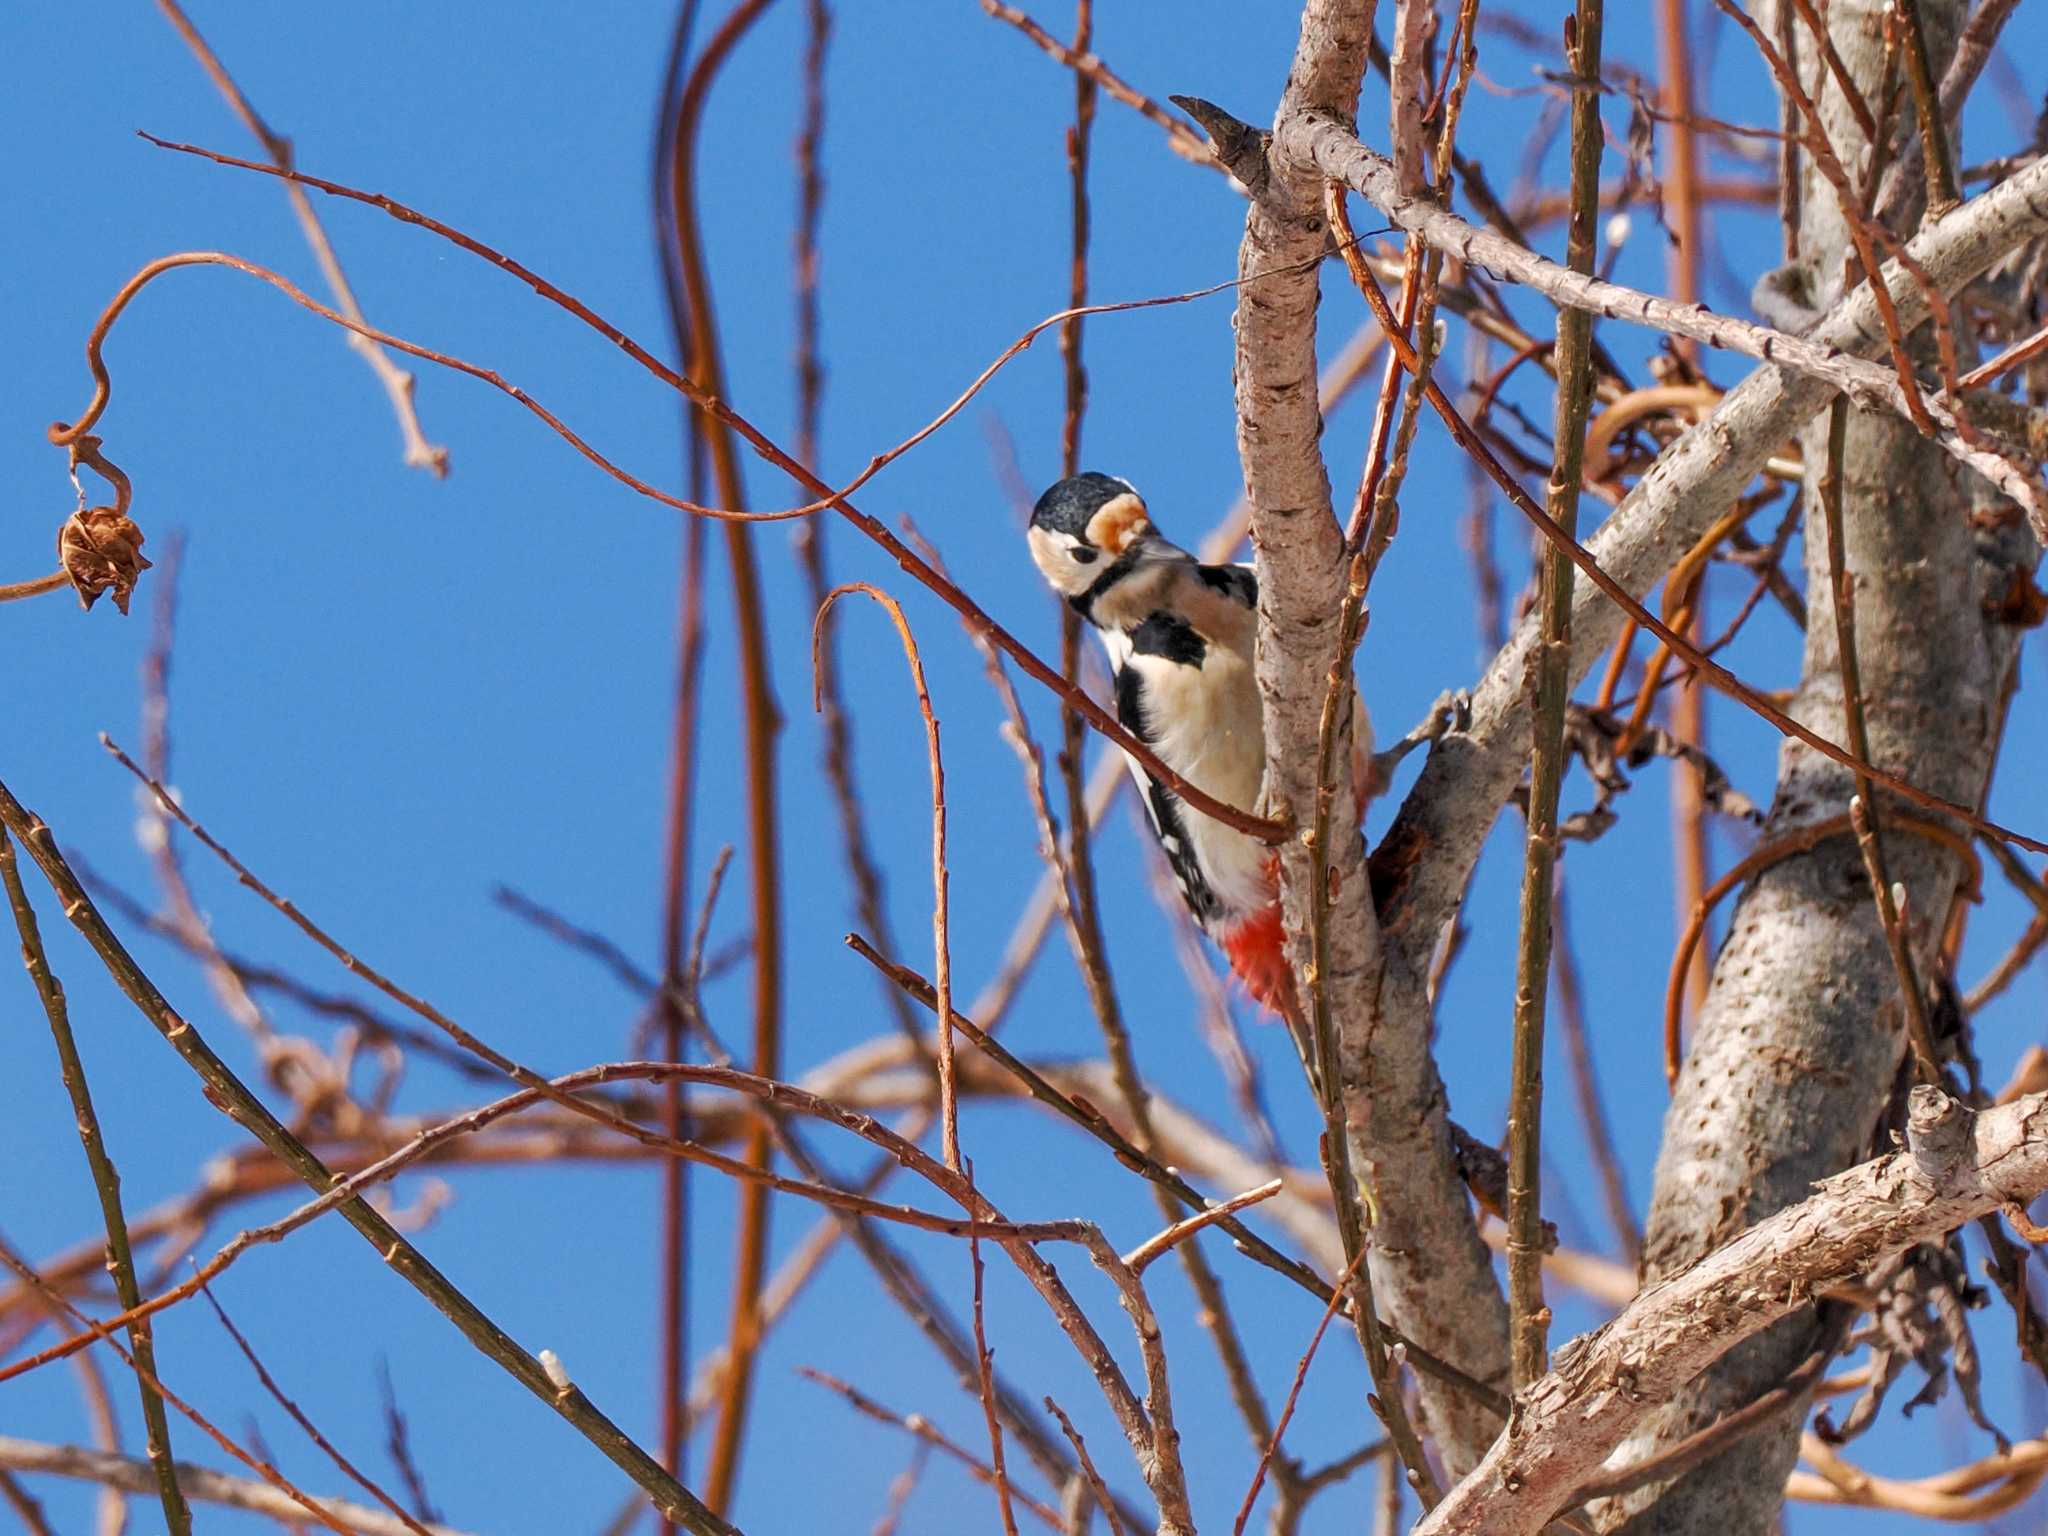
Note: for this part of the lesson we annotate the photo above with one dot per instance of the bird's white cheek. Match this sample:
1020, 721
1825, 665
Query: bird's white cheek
1049, 553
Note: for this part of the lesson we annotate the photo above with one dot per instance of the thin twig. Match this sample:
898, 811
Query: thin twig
1529, 1318
1942, 193
1682, 211
1096, 1486
923, 1430
1188, 1226
106, 1180
53, 582
1099, 718
398, 384
760, 722
684, 745
199, 1483
1599, 1134
1798, 840
1891, 916
1251, 1496
901, 1487
234, 1097
949, 1109
985, 1374
398, 1442
1183, 140
298, 1416
25, 1505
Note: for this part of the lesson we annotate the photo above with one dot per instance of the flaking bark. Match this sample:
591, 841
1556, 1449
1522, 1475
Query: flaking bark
1957, 1166
1432, 1276
1798, 1047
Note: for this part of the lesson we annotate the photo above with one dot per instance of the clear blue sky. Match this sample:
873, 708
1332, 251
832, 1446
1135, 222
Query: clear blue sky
392, 694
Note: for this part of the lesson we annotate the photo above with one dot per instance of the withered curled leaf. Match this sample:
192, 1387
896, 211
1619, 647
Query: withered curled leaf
100, 549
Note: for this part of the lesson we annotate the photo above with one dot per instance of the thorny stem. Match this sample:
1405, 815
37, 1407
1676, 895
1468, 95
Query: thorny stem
106, 1179
1529, 1318
227, 1091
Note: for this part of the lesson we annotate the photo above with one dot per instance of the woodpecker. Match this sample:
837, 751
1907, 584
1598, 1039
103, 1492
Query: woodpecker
1180, 640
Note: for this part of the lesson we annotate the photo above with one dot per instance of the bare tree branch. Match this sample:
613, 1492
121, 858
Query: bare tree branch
1422, 864
197, 1483
1959, 1165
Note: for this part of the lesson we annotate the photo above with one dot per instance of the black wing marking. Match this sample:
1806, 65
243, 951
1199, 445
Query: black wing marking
1130, 703
1162, 808
1239, 583
1170, 638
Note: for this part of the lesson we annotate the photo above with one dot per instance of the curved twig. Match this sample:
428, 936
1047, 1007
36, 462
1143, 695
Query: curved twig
1799, 840
63, 434
942, 975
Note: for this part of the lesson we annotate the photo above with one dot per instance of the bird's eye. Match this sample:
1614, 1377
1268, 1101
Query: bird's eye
1083, 555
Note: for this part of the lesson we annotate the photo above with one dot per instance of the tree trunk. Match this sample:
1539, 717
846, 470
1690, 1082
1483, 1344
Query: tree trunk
1799, 1045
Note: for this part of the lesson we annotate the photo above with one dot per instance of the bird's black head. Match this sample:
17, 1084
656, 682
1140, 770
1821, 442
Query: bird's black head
1081, 522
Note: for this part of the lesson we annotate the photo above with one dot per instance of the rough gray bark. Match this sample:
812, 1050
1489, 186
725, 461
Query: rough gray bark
1432, 1276
1798, 1047
1959, 1166
1423, 862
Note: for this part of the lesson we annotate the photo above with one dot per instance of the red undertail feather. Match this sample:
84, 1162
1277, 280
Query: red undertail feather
1257, 951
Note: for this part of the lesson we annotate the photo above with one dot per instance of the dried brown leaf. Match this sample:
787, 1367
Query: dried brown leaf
100, 549
1594, 737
